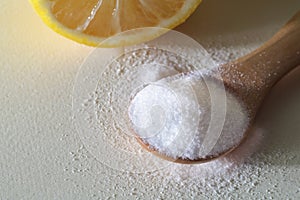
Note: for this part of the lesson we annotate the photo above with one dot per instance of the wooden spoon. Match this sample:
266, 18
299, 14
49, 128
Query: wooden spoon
251, 77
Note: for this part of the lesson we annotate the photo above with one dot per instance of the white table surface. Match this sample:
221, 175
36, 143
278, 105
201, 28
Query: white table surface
42, 157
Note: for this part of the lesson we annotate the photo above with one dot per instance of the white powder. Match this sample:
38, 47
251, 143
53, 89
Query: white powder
188, 116
248, 172
103, 113
104, 96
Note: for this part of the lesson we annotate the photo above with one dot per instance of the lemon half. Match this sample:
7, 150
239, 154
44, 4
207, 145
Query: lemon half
91, 22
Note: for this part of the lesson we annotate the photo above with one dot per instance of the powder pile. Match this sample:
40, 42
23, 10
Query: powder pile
105, 113
263, 174
188, 116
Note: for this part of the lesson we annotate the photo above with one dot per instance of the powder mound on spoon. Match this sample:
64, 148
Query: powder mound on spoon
188, 116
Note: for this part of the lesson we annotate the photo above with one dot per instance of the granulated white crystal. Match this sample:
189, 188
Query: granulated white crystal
176, 117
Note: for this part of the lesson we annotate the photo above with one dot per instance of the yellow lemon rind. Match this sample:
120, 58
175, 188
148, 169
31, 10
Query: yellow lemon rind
42, 7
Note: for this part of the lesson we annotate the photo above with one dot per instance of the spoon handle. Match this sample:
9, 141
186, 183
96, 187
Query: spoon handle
253, 75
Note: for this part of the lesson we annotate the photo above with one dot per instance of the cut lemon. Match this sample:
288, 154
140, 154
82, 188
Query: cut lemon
91, 22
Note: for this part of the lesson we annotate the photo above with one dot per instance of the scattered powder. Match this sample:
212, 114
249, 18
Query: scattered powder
188, 116
102, 113
122, 78
239, 175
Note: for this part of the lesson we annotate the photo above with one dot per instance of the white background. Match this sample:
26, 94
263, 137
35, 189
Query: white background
41, 156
